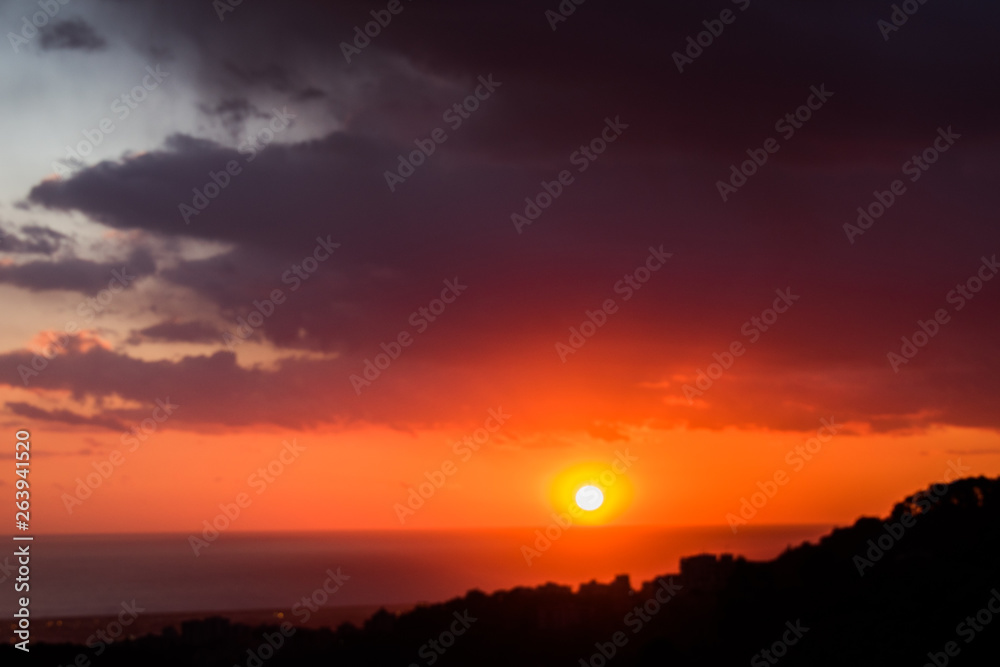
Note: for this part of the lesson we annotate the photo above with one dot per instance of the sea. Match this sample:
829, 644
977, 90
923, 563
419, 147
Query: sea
93, 575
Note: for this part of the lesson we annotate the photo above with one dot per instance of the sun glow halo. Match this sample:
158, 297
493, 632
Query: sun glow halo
591, 493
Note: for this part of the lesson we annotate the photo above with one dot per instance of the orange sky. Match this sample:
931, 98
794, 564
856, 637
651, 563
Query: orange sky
354, 479
634, 282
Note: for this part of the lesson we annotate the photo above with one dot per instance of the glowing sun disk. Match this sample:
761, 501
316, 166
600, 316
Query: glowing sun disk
589, 498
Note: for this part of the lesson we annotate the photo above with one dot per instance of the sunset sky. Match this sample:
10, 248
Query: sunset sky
120, 266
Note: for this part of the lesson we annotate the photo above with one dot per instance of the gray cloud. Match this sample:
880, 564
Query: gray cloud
656, 185
63, 416
79, 275
71, 35
177, 332
34, 239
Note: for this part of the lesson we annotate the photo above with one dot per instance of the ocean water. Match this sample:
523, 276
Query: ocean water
92, 575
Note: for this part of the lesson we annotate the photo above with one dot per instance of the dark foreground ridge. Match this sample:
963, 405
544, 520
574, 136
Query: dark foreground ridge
921, 587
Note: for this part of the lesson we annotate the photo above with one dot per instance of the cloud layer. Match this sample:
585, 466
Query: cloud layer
559, 96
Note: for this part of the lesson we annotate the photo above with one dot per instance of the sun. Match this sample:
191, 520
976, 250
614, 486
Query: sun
589, 498
591, 493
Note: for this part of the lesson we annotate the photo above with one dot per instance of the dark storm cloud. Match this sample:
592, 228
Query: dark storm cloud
177, 332
233, 110
655, 185
63, 416
214, 390
453, 218
612, 55
226, 393
309, 93
272, 75
281, 183
34, 239
615, 58
71, 35
79, 275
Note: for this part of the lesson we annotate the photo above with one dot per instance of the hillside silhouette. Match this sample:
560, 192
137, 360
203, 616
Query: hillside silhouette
914, 588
